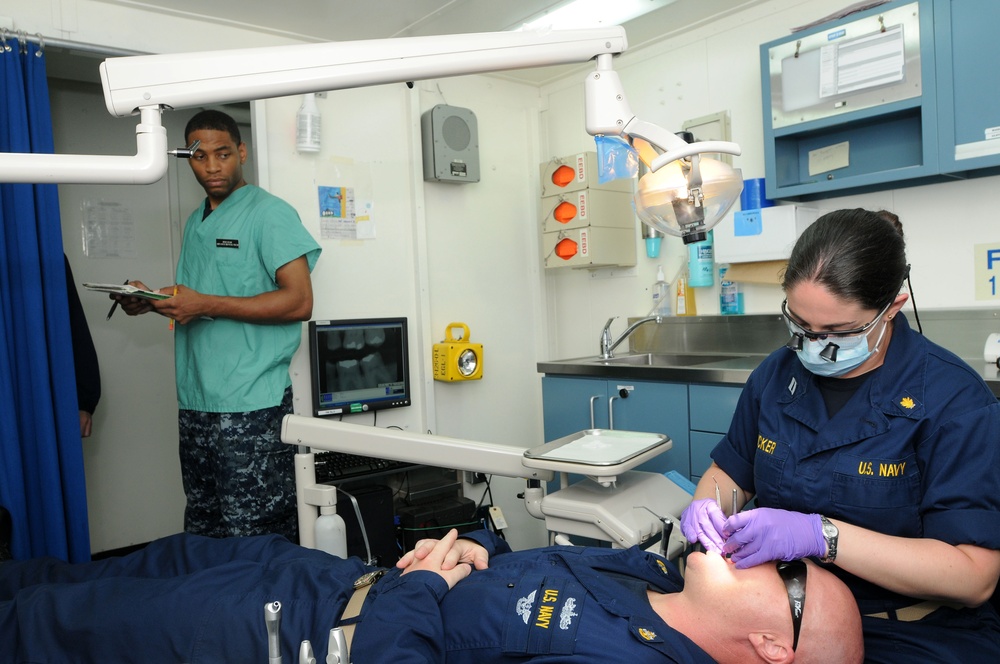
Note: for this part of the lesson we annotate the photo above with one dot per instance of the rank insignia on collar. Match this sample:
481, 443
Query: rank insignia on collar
907, 403
646, 634
663, 567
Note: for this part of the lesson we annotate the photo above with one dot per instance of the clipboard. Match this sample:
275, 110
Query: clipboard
126, 289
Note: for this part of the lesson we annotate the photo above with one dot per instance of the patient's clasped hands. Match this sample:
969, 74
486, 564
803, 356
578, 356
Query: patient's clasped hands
756, 536
451, 558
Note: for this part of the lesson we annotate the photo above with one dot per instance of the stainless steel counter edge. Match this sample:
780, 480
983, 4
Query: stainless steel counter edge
733, 371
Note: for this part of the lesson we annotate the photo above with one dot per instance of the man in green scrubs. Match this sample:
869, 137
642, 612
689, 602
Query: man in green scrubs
243, 288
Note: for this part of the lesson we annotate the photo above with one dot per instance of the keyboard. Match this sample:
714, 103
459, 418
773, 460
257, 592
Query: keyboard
341, 466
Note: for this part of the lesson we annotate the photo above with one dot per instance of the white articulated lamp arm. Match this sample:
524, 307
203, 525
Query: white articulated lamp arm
609, 113
685, 193
147, 84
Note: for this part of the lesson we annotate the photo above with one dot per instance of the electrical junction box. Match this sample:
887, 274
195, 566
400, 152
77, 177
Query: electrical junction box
764, 234
576, 172
587, 207
457, 359
450, 137
589, 247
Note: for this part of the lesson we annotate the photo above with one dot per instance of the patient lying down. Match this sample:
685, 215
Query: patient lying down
192, 599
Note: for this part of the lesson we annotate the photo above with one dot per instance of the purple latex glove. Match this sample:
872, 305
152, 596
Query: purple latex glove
761, 535
703, 522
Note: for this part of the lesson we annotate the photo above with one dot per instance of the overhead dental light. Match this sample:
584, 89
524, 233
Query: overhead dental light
688, 196
684, 193
148, 84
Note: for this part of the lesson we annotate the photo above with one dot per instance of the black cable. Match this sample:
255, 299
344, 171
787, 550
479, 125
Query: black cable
361, 525
913, 301
489, 478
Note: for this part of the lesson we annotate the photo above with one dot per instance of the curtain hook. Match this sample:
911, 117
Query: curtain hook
22, 42
4, 36
41, 45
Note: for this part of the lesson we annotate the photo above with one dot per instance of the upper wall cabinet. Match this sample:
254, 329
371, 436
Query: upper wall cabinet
894, 96
967, 49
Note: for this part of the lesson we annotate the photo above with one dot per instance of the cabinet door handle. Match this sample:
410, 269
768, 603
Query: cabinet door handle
592, 400
611, 412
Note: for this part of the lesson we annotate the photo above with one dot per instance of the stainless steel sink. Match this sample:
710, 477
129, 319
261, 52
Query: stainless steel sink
664, 359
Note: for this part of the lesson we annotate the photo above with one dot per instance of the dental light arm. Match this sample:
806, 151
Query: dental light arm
609, 114
146, 84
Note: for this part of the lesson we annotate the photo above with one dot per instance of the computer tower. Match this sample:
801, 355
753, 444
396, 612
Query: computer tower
375, 504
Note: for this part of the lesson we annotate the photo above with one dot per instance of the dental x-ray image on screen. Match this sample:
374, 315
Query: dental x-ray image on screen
358, 365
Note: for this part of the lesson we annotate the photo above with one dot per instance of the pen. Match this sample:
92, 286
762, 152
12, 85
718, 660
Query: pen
172, 320
115, 304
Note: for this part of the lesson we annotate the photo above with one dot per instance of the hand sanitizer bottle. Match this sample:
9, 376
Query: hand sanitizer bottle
661, 295
730, 294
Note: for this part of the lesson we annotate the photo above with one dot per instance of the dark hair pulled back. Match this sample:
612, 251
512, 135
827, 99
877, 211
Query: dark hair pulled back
858, 255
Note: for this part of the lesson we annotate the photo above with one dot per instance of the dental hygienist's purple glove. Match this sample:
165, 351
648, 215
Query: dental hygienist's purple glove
703, 521
758, 536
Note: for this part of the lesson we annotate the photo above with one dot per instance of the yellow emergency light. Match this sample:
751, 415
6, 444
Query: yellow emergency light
457, 359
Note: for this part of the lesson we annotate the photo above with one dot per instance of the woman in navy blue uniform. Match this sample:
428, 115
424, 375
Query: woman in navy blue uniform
870, 448
194, 599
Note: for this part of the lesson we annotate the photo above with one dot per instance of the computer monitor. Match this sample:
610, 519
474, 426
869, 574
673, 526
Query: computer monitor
358, 365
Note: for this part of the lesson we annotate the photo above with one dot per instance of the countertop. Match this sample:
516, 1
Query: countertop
692, 368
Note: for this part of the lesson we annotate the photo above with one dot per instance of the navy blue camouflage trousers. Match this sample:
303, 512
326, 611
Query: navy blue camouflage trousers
239, 478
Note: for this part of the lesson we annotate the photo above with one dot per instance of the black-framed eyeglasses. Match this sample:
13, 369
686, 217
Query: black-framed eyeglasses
793, 573
800, 333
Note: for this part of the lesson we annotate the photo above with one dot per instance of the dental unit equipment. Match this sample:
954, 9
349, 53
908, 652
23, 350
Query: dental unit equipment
683, 194
601, 506
272, 620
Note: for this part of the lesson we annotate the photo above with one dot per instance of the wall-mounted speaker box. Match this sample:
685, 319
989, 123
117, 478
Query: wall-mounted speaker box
451, 144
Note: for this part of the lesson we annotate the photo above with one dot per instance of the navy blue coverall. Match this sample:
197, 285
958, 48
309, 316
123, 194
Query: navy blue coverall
915, 452
192, 599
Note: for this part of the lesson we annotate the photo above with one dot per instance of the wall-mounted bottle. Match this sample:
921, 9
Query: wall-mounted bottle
701, 262
685, 298
730, 294
661, 295
307, 125
331, 532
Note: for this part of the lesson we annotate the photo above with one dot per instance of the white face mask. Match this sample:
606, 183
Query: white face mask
851, 353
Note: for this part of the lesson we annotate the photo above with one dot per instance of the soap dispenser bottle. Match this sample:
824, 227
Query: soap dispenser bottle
685, 298
661, 295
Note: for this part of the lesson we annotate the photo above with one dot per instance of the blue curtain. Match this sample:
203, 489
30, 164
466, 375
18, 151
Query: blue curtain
41, 456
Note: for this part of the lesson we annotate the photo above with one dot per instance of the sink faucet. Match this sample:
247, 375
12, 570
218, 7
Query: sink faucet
608, 346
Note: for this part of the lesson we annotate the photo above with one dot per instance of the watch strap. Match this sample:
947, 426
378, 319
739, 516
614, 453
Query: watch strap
831, 534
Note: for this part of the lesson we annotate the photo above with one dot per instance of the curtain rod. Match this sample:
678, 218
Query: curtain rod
83, 47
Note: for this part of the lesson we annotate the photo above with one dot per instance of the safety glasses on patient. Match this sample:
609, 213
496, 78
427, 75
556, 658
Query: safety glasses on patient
793, 574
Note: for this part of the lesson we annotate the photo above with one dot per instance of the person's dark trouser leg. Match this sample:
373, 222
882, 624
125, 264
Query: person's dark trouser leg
183, 598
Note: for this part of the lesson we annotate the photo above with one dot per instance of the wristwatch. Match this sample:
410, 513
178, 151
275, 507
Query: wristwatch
830, 534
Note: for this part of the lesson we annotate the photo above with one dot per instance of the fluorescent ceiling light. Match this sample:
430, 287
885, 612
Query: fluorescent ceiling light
593, 14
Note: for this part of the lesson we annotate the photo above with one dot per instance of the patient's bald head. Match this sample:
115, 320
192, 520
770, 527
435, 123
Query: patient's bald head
746, 616
831, 622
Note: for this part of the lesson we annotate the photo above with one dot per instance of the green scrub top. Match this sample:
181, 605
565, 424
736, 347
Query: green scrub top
224, 365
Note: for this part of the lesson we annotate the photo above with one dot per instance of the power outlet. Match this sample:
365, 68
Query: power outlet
474, 478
